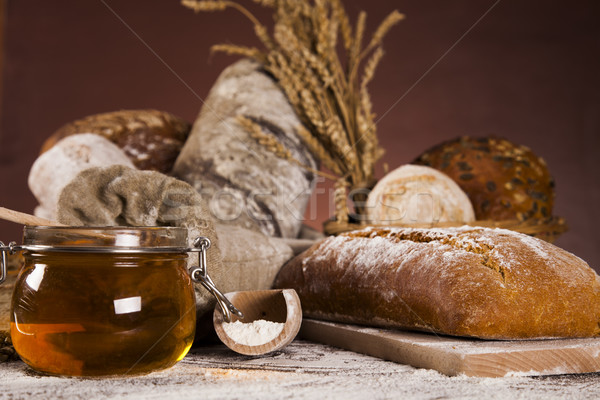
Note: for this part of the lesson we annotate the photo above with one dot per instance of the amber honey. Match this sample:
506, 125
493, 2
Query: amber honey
101, 313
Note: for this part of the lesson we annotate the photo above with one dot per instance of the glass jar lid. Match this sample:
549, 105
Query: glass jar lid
115, 239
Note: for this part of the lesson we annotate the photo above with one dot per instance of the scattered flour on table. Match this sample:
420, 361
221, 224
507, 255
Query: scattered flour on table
253, 333
301, 371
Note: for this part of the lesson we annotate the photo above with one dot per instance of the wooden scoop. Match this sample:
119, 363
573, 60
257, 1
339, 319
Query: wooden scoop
25, 219
277, 306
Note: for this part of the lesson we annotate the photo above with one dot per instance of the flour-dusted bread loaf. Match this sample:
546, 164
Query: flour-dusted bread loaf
246, 184
418, 194
477, 282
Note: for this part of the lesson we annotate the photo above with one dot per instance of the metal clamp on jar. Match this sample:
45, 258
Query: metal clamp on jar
106, 301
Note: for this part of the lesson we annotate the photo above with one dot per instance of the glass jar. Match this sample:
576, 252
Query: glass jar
103, 301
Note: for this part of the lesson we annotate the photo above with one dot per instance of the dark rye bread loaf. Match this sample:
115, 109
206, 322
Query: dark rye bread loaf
477, 282
151, 139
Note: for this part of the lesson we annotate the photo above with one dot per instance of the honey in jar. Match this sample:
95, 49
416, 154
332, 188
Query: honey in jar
103, 301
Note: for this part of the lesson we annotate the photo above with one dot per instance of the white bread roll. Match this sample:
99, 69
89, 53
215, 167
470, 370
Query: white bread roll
55, 168
418, 194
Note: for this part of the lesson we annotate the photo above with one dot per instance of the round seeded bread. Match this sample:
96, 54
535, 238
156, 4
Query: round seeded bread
503, 180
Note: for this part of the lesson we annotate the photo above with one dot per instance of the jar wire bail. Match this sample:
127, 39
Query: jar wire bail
200, 275
10, 249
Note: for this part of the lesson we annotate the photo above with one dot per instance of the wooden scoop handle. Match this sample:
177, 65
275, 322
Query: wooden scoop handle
25, 219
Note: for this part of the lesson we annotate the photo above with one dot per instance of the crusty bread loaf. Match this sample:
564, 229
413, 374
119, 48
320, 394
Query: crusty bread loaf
502, 179
152, 139
478, 282
248, 185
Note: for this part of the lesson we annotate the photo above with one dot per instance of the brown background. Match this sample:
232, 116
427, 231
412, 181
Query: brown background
528, 71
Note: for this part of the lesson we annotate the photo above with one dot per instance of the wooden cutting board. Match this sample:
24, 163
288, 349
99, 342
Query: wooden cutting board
455, 356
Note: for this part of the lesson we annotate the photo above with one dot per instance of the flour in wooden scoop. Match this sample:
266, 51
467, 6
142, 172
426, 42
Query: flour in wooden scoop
253, 333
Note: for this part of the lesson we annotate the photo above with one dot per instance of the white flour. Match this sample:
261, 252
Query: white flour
303, 370
253, 333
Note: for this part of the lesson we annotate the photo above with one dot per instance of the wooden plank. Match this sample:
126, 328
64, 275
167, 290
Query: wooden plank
460, 356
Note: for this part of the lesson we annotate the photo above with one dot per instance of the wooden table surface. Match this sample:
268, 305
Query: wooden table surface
302, 370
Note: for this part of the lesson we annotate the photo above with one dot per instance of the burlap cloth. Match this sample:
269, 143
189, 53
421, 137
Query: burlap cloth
122, 196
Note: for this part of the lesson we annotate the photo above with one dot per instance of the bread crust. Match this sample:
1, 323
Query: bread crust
151, 139
475, 282
502, 179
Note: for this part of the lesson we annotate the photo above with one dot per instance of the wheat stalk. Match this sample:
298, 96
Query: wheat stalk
339, 198
250, 52
271, 143
383, 29
198, 6
339, 14
329, 96
318, 150
266, 3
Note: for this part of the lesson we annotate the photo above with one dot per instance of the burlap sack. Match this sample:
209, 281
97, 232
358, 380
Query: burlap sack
117, 195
